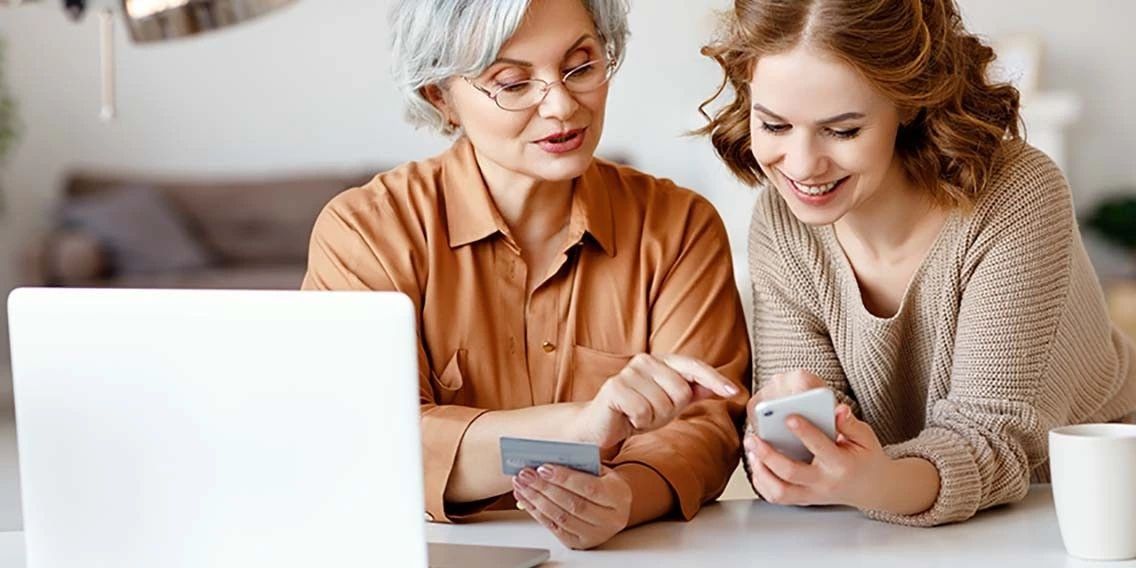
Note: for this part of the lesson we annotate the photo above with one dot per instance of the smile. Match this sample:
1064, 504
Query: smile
815, 190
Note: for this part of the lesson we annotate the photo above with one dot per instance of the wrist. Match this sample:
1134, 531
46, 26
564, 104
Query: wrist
884, 482
909, 486
592, 423
581, 427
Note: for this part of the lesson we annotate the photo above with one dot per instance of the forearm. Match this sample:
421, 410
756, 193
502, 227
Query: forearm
911, 487
477, 470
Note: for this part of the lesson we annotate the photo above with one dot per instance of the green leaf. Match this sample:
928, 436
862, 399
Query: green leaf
9, 121
1114, 219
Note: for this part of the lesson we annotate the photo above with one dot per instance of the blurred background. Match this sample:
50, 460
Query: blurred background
226, 144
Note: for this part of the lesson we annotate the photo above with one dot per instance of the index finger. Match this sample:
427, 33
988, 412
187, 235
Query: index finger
700, 373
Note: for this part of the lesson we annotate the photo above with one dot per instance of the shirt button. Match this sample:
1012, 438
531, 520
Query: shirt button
548, 347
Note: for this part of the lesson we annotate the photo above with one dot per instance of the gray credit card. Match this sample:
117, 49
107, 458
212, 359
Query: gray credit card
521, 453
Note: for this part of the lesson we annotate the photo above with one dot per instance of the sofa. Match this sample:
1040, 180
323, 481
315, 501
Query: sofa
144, 231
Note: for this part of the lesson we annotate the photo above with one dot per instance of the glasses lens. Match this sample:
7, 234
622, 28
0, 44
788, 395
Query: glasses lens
527, 94
520, 95
587, 76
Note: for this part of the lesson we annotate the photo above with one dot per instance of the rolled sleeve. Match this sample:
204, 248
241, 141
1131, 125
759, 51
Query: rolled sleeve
695, 454
443, 428
960, 487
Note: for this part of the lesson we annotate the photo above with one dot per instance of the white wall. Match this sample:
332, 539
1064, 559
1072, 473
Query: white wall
1087, 52
307, 89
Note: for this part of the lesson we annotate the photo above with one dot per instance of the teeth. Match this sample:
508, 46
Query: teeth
815, 189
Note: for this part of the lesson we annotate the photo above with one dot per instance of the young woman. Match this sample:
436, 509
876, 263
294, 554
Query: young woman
913, 254
561, 296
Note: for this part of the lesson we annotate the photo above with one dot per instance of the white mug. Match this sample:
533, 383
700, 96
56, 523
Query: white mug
1093, 471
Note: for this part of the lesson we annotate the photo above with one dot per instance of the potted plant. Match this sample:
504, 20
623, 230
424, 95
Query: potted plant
9, 124
1114, 220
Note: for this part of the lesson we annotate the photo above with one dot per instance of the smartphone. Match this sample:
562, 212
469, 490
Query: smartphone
817, 406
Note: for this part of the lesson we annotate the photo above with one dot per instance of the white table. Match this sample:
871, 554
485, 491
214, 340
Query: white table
751, 533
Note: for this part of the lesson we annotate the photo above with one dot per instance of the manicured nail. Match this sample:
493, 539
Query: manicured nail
545, 471
793, 423
752, 457
730, 390
527, 476
520, 503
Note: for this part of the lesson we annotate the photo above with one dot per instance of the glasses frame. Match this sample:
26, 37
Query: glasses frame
610, 67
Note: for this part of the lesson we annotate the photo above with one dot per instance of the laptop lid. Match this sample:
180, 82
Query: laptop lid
217, 428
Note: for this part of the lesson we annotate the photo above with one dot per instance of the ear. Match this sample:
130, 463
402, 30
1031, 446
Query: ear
908, 115
439, 98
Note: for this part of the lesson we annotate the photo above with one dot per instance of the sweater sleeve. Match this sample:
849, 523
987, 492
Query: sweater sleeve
1031, 339
789, 332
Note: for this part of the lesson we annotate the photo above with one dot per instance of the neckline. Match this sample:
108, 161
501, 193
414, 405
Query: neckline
850, 286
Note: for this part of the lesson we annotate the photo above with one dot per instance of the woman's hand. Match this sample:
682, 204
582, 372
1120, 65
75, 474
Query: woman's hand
782, 385
850, 471
582, 510
646, 395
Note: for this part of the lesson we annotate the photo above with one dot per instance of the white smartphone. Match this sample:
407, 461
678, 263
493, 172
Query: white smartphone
817, 406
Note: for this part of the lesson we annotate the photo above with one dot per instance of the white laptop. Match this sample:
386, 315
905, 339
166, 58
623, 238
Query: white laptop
225, 429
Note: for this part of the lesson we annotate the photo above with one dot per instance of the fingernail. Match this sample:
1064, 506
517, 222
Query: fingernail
527, 475
793, 423
751, 456
520, 503
545, 471
731, 390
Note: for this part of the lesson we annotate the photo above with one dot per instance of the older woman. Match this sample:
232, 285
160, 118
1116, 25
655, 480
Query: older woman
560, 296
913, 254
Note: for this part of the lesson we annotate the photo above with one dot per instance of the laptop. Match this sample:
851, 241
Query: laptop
182, 428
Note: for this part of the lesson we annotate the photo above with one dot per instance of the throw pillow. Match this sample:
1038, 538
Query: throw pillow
140, 230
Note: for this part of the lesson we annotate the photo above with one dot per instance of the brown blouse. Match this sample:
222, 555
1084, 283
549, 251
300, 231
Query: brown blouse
647, 269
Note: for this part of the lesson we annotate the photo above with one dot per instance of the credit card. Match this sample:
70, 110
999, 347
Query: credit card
521, 453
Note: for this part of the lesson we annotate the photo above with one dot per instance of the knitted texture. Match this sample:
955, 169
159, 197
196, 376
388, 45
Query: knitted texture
1002, 334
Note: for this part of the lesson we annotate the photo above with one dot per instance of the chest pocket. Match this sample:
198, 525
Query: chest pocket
589, 370
448, 384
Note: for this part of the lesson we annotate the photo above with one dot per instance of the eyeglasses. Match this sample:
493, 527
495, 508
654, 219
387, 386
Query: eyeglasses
524, 95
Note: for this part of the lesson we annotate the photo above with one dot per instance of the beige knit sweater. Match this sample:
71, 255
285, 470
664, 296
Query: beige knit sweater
1003, 334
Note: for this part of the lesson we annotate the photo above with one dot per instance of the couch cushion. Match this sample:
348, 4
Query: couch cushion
271, 277
141, 233
263, 222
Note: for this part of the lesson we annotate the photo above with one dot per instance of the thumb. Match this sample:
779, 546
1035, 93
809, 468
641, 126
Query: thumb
853, 429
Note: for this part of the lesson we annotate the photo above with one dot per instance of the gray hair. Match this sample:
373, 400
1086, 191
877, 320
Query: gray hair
434, 40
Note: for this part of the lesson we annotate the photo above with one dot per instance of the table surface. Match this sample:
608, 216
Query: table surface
746, 533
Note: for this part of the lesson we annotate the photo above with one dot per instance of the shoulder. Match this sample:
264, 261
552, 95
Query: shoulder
655, 200
1023, 217
627, 183
400, 196
1024, 183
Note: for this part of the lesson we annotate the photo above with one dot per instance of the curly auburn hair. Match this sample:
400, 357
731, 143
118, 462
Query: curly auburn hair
915, 52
